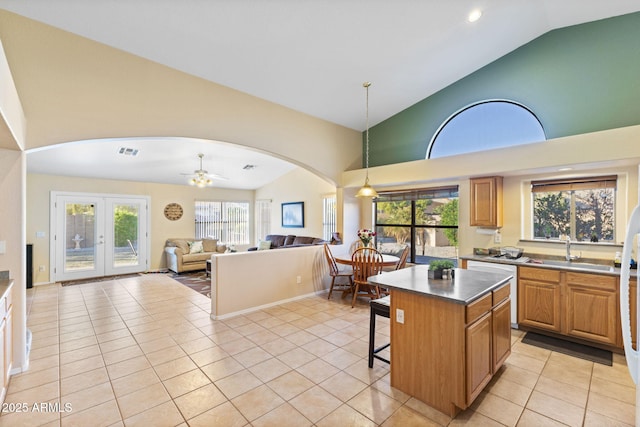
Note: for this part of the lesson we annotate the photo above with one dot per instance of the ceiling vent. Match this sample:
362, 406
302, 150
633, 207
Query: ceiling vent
249, 167
128, 151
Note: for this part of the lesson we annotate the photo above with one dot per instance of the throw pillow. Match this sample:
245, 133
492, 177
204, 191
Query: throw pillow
210, 245
264, 245
196, 247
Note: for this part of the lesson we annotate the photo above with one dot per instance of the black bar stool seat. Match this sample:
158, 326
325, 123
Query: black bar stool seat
379, 307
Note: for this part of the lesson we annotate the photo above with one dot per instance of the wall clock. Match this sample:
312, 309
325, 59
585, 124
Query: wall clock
173, 211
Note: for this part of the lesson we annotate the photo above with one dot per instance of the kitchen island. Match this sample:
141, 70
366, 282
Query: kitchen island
448, 337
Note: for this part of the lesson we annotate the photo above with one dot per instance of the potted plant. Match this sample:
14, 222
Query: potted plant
436, 267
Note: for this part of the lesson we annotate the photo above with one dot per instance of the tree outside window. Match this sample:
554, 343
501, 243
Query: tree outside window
570, 208
424, 219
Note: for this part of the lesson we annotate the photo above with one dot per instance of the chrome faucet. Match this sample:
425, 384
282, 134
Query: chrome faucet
569, 257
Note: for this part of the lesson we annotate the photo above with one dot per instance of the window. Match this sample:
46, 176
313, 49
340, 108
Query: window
484, 126
328, 217
263, 219
581, 208
426, 220
226, 221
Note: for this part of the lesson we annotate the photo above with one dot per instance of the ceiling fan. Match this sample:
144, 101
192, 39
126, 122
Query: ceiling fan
202, 178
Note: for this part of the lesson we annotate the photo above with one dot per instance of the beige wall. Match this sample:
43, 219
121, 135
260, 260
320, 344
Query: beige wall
39, 188
74, 89
12, 211
12, 120
297, 186
272, 278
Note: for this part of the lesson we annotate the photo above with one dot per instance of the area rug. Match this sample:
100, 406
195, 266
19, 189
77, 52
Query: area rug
97, 279
586, 352
196, 280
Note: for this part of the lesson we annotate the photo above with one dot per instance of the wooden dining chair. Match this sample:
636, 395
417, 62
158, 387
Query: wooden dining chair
366, 262
335, 272
403, 258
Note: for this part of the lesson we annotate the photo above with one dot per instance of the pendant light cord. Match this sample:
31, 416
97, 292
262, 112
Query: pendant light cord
366, 86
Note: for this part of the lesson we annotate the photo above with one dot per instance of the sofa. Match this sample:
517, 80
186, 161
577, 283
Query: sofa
277, 241
188, 254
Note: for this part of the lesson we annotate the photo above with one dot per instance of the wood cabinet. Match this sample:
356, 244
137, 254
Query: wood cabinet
6, 340
486, 202
450, 351
539, 298
479, 369
579, 305
592, 307
501, 333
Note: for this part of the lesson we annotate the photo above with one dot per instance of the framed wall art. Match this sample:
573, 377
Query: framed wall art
293, 214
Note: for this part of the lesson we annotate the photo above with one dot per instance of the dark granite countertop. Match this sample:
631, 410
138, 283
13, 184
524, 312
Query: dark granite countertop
464, 288
557, 263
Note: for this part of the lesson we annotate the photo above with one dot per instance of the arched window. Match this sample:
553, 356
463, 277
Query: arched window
484, 126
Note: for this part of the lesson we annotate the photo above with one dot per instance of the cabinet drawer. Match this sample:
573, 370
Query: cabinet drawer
501, 293
592, 281
539, 274
478, 308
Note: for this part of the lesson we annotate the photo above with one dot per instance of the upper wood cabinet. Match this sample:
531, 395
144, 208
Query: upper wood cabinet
486, 202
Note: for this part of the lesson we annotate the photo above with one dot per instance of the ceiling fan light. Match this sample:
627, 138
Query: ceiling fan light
200, 179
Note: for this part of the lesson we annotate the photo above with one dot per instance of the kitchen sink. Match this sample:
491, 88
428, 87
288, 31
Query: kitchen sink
575, 264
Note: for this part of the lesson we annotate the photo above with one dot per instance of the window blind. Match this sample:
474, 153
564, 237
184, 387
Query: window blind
418, 194
573, 184
263, 219
328, 217
226, 221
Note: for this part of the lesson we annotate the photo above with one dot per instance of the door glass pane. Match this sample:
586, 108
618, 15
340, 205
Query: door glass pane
436, 243
392, 240
80, 231
125, 234
428, 225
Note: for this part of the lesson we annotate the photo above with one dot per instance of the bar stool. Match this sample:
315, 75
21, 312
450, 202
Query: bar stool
379, 307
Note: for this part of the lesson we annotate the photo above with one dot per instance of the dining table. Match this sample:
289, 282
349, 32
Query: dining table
387, 260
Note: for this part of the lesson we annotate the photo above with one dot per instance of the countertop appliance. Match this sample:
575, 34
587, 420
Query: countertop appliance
493, 267
633, 361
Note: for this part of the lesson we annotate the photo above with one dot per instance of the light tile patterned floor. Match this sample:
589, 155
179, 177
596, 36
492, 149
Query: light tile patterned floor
143, 351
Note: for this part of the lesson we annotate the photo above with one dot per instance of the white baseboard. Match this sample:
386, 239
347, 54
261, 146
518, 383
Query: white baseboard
271, 304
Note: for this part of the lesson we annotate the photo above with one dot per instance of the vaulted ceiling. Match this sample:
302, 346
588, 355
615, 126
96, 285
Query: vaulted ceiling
313, 56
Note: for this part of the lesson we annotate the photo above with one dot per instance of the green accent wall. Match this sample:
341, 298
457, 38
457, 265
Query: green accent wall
578, 79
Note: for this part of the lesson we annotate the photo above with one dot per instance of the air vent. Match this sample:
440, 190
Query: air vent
128, 151
249, 167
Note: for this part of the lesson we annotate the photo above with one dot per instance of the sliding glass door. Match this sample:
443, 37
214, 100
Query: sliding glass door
426, 220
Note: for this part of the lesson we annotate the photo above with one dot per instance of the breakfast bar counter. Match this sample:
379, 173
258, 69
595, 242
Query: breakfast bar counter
448, 337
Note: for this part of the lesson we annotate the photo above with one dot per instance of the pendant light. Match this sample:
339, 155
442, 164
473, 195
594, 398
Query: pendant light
367, 190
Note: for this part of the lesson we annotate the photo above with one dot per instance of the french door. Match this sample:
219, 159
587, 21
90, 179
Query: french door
97, 235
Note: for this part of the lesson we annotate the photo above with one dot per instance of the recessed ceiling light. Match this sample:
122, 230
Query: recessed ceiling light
474, 15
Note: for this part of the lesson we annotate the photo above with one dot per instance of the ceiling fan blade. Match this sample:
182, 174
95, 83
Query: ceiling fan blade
216, 176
